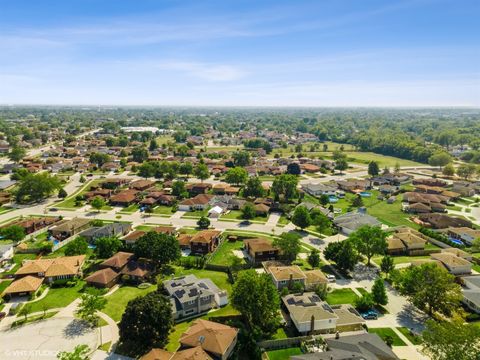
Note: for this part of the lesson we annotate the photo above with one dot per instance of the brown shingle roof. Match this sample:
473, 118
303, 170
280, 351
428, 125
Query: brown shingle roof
217, 337
120, 259
205, 236
25, 284
61, 266
103, 276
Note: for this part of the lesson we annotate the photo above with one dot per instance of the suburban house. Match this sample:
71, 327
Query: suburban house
286, 276
198, 188
195, 353
53, 269
406, 240
352, 221
126, 266
365, 346
319, 189
192, 296
26, 285
455, 265
216, 339
199, 202
465, 188
141, 185
69, 228
132, 238
464, 234
108, 230
442, 221
204, 241
260, 249
33, 273
103, 278
124, 198
471, 292
32, 224
311, 315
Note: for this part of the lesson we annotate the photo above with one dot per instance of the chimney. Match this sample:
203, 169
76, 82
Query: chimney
337, 335
312, 324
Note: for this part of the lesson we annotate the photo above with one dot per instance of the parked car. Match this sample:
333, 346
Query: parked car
370, 315
2, 315
331, 278
53, 209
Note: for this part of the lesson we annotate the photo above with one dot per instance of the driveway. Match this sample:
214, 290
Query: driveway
44, 339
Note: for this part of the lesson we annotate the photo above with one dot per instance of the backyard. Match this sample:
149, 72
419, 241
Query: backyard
223, 255
341, 296
283, 353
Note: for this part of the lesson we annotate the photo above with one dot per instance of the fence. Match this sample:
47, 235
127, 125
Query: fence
287, 343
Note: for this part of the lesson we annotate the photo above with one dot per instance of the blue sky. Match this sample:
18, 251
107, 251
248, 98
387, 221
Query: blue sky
272, 53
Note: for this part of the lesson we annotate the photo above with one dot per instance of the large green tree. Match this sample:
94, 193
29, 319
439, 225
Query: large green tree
160, 248
289, 244
379, 293
236, 176
301, 217
253, 187
89, 305
373, 169
369, 241
79, 246
343, 254
201, 172
146, 323
107, 246
285, 186
17, 153
451, 340
257, 299
431, 288
36, 187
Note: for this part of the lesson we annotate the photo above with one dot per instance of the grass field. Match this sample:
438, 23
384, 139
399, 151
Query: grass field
4, 284
69, 202
354, 156
389, 214
237, 215
341, 296
400, 259
384, 333
414, 339
58, 297
130, 209
223, 255
163, 210
195, 214
117, 302
284, 354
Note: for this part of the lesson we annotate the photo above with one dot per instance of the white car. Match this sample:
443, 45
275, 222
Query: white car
331, 278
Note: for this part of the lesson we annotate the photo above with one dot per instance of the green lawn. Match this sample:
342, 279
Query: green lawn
284, 354
195, 214
237, 215
283, 220
362, 291
163, 210
219, 278
4, 284
117, 302
400, 259
58, 297
18, 259
341, 296
69, 202
130, 209
223, 255
387, 332
414, 339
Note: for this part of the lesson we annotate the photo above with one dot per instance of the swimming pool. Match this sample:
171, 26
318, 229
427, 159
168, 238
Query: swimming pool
332, 199
456, 241
365, 194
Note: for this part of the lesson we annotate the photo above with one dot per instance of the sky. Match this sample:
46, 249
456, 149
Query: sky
240, 53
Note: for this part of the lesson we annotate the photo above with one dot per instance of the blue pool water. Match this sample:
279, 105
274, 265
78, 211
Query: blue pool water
365, 194
456, 241
332, 199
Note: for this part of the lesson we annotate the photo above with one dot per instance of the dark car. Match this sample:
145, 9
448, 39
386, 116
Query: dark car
2, 315
52, 209
370, 315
